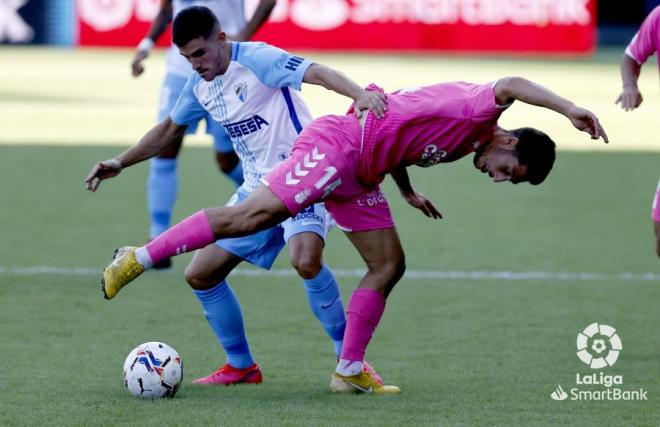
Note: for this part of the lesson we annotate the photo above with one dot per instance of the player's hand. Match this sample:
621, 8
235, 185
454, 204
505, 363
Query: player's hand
419, 201
102, 170
136, 66
373, 100
587, 121
630, 98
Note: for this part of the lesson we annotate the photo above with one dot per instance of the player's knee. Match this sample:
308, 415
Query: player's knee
198, 280
305, 253
397, 268
307, 264
392, 269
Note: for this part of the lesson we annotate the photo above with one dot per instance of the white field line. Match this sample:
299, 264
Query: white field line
357, 273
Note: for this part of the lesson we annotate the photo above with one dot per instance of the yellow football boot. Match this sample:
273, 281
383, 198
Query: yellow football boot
121, 271
363, 382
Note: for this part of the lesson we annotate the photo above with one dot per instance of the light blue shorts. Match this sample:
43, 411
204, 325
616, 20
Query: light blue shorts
169, 94
262, 248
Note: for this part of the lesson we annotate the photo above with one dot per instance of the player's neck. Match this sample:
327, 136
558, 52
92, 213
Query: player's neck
228, 50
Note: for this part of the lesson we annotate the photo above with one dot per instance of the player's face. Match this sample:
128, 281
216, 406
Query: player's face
208, 57
499, 161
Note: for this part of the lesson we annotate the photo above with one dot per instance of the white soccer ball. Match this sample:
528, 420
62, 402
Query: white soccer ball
153, 369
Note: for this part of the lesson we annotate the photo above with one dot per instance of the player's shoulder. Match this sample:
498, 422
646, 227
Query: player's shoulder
250, 50
654, 16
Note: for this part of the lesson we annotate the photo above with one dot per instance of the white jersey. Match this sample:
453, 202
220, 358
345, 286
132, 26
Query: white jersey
230, 13
258, 102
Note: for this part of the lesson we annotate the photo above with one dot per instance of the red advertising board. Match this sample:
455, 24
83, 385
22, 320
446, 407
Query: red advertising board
116, 22
534, 26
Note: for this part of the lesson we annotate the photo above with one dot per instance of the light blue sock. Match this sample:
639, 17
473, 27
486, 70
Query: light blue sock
325, 302
236, 174
161, 193
223, 312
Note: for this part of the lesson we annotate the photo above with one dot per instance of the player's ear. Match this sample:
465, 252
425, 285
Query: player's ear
511, 141
222, 37
506, 140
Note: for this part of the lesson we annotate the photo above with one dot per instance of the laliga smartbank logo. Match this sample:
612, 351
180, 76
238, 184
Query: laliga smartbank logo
598, 346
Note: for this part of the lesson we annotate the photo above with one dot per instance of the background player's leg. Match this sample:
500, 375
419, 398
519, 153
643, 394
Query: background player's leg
655, 215
162, 184
384, 257
162, 181
230, 165
656, 228
225, 157
206, 274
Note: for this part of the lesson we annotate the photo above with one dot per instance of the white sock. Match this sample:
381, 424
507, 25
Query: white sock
142, 256
348, 368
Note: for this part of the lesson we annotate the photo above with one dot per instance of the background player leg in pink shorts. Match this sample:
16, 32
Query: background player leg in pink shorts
655, 214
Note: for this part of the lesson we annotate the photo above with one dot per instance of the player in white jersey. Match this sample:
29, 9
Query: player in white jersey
162, 180
252, 90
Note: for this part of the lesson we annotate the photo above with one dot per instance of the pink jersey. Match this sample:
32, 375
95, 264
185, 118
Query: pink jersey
428, 125
646, 41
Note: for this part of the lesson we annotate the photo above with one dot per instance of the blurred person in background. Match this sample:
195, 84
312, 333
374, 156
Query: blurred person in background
641, 47
162, 181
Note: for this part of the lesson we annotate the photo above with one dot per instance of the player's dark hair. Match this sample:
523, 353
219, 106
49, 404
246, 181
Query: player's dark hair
192, 23
536, 150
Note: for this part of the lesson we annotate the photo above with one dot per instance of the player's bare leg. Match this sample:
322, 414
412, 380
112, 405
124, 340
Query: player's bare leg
385, 260
261, 210
656, 227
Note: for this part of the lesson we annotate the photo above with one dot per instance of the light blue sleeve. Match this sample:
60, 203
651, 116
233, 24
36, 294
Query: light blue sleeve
274, 67
187, 110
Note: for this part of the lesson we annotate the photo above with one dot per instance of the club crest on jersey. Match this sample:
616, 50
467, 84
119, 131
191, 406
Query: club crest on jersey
241, 91
431, 156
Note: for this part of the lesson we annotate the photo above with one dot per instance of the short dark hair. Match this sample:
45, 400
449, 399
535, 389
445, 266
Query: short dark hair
535, 150
192, 23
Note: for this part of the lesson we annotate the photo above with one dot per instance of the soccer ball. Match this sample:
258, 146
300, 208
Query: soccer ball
153, 369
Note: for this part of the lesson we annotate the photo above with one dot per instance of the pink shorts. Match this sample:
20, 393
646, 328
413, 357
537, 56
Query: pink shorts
323, 167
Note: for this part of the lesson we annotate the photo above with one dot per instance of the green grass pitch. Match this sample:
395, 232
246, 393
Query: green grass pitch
466, 350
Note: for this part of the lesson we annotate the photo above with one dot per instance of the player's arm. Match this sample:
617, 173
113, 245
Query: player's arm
259, 17
414, 198
630, 98
158, 26
510, 89
331, 79
154, 142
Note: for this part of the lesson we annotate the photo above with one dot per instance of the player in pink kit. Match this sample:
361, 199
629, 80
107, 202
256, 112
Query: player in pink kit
342, 160
655, 215
643, 45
